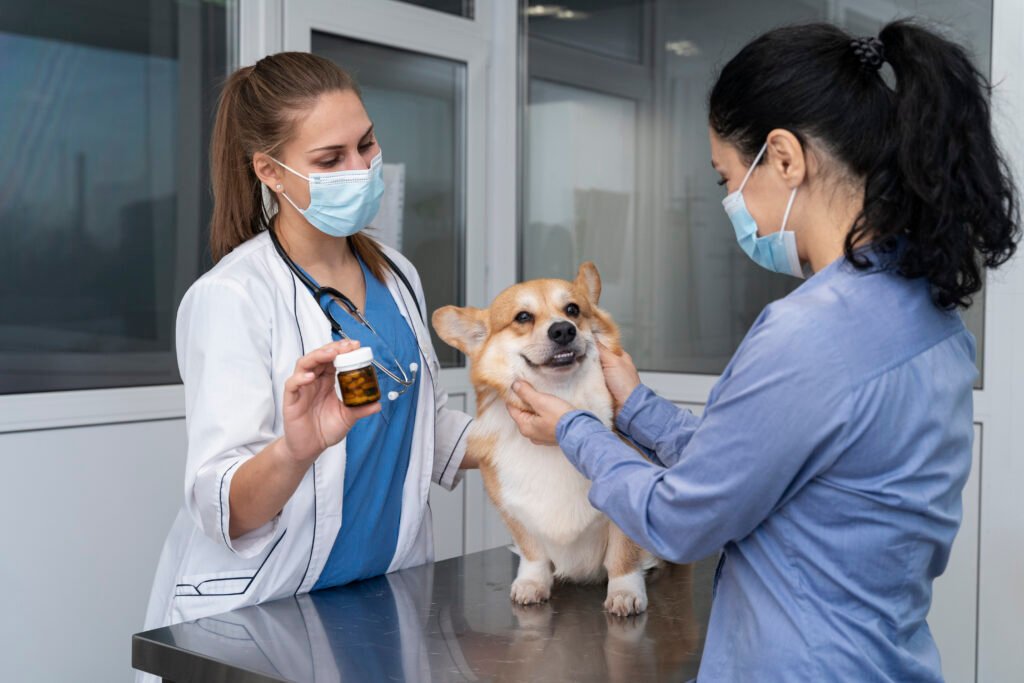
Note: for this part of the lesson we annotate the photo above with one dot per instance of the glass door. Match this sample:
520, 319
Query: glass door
422, 71
617, 165
422, 89
417, 102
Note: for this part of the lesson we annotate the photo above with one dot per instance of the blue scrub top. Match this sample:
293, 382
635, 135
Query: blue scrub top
377, 447
829, 463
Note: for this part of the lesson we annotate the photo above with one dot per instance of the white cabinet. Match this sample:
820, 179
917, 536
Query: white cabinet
87, 512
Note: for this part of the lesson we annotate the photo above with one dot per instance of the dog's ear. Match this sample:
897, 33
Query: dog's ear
463, 328
588, 280
606, 331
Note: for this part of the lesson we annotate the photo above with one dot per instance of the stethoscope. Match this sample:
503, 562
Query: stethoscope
405, 381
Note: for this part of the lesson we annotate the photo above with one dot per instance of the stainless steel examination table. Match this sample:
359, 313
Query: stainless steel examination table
447, 621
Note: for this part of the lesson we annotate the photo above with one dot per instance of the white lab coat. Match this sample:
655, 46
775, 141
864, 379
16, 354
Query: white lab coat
240, 329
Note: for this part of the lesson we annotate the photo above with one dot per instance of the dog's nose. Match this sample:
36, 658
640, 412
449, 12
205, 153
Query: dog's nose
562, 333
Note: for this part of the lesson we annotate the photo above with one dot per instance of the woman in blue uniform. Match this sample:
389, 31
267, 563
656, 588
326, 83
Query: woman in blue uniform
287, 490
831, 455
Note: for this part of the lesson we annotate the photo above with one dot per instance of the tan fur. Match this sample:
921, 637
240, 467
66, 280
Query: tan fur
624, 556
483, 446
541, 497
526, 543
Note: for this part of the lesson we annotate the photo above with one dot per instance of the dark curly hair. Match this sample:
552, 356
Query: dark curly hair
924, 149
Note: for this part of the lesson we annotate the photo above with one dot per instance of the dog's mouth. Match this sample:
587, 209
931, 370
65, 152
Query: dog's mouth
559, 359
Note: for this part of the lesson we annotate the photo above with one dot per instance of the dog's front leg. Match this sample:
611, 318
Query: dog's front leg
534, 576
533, 581
624, 560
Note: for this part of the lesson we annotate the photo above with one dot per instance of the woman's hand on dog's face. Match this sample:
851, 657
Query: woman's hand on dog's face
539, 422
619, 373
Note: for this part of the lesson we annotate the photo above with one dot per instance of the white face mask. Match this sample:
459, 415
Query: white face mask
343, 202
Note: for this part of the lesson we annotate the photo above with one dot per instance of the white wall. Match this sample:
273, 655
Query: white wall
86, 512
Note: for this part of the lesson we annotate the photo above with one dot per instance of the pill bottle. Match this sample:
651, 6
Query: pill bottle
357, 378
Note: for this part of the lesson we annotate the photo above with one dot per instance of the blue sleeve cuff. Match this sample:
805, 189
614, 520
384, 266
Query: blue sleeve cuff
572, 430
592, 448
631, 407
648, 419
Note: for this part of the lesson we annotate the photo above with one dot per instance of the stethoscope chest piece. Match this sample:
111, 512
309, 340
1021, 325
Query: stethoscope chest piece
404, 381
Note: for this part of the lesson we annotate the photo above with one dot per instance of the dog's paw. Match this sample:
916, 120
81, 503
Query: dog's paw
623, 603
529, 592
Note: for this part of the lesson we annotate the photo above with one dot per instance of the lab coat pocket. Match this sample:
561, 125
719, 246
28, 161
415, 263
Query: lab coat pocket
227, 581
221, 583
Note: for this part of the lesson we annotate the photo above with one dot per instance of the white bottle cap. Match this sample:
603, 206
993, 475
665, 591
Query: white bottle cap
354, 360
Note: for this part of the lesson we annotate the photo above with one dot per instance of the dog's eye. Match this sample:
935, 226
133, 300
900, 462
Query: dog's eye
572, 310
523, 317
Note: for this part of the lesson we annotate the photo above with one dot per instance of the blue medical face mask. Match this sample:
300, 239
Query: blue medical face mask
343, 202
777, 251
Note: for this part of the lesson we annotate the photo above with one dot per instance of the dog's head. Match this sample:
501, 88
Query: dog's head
544, 331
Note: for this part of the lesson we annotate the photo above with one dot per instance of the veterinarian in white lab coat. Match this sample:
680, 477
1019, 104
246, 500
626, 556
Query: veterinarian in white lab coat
286, 489
830, 458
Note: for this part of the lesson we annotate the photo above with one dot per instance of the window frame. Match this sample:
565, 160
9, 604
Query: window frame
54, 409
580, 68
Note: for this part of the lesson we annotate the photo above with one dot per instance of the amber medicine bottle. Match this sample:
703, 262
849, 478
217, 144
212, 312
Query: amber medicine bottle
357, 377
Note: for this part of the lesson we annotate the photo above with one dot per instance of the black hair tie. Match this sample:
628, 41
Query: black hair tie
869, 51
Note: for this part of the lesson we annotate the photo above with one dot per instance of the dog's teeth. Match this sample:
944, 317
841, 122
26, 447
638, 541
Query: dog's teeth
562, 358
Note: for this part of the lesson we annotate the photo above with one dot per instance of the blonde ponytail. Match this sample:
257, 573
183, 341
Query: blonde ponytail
238, 210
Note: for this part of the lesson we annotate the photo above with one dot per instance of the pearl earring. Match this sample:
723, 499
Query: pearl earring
279, 186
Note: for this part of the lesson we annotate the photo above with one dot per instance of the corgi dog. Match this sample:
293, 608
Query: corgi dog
546, 332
